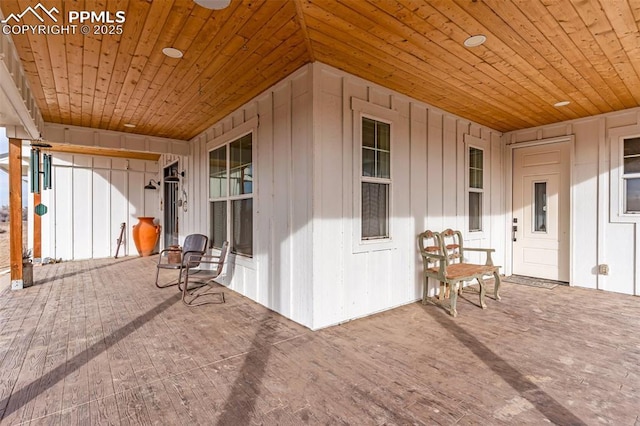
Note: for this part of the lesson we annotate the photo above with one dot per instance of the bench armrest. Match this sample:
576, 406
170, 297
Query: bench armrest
432, 256
489, 261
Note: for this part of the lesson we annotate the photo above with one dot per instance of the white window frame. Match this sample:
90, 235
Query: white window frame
249, 127
362, 109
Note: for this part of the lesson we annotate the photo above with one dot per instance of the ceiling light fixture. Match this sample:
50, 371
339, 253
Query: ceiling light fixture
213, 4
475, 40
129, 125
561, 103
172, 52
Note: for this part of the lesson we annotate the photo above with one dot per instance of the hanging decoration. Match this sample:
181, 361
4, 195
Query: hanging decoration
37, 169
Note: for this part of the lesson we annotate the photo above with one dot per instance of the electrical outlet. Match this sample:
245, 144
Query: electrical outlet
603, 269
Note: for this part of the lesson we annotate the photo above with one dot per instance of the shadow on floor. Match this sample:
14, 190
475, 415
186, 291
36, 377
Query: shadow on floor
22, 396
543, 402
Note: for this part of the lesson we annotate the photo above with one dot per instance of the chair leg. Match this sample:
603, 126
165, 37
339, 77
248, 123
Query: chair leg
165, 285
496, 286
481, 284
454, 298
425, 290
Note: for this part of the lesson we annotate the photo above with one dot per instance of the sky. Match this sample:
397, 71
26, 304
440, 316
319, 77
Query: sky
4, 177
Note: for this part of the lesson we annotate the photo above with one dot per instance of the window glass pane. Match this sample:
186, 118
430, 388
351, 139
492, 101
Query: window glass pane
242, 226
475, 168
384, 136
475, 211
475, 178
540, 207
632, 165
632, 146
368, 132
375, 210
218, 223
241, 167
632, 193
475, 158
218, 172
368, 162
384, 165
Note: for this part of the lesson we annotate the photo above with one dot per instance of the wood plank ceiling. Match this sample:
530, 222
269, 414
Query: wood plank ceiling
538, 52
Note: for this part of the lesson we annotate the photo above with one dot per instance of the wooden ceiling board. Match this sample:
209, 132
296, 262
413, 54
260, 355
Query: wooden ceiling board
184, 85
538, 52
443, 81
525, 66
616, 96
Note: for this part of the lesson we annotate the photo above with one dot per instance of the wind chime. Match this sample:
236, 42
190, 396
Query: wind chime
37, 169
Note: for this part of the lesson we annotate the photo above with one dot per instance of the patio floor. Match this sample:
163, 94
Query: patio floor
95, 342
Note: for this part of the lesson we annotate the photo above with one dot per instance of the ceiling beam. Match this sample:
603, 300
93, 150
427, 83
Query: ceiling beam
20, 101
303, 26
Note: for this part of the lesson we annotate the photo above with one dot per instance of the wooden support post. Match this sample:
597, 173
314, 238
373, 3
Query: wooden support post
15, 211
37, 229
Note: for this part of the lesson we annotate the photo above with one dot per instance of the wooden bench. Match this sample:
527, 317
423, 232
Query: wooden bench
443, 258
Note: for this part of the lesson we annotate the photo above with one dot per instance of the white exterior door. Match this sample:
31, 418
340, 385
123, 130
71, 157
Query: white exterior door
541, 203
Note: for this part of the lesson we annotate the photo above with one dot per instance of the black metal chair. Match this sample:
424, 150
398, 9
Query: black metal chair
200, 278
194, 244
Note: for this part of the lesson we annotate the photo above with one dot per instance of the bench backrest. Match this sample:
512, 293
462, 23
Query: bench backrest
452, 246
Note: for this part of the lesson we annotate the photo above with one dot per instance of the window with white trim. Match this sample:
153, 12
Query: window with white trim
476, 188
375, 179
631, 175
231, 182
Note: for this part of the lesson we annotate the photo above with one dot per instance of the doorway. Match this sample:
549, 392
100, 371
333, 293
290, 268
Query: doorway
171, 221
541, 211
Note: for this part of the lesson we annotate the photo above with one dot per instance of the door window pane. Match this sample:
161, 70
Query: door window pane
218, 223
242, 226
375, 210
540, 207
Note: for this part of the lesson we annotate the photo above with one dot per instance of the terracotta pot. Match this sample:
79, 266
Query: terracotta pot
145, 235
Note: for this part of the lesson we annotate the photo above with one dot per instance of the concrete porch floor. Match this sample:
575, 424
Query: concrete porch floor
95, 342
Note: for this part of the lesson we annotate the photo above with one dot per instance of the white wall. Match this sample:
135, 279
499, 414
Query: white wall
89, 199
279, 274
428, 192
305, 265
600, 233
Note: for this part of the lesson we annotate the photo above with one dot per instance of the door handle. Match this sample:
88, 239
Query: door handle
514, 229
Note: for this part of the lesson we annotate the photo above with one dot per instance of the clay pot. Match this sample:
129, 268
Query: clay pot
145, 235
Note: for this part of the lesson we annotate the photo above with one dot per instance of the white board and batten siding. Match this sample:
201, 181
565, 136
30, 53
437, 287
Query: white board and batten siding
90, 198
306, 264
601, 234
428, 191
279, 275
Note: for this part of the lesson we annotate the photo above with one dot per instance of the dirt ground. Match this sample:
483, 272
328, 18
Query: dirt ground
4, 243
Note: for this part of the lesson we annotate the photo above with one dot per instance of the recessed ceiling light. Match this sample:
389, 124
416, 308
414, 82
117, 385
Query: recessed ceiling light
131, 126
213, 4
475, 40
561, 103
172, 52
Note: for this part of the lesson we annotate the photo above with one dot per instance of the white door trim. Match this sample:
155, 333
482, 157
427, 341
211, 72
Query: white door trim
509, 196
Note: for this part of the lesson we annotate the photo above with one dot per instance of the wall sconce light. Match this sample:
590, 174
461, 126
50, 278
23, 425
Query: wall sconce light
174, 178
150, 185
